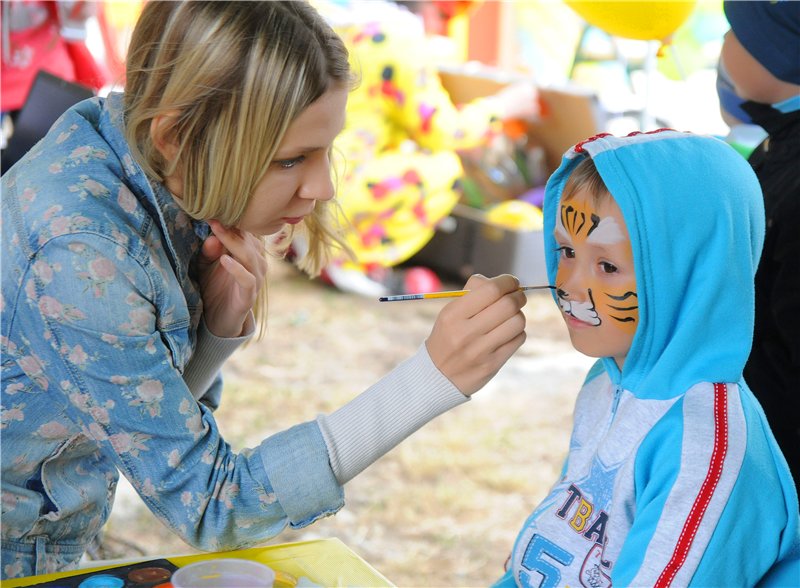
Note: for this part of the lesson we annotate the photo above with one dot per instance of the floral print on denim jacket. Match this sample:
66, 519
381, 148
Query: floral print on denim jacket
99, 320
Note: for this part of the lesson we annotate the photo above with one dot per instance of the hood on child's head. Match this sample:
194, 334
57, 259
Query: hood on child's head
694, 212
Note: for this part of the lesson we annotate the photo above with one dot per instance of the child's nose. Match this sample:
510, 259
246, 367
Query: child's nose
570, 281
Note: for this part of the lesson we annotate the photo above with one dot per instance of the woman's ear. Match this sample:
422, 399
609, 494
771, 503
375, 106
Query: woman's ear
164, 139
163, 136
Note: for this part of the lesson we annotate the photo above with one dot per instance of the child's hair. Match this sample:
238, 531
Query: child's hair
234, 75
585, 175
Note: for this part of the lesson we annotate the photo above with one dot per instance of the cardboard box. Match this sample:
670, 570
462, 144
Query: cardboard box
466, 242
569, 114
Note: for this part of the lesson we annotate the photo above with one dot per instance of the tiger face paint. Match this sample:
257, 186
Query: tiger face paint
596, 282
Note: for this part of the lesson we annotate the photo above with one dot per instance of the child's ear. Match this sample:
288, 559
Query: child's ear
162, 134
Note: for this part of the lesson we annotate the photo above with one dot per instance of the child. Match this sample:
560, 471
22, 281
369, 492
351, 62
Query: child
132, 255
673, 476
761, 54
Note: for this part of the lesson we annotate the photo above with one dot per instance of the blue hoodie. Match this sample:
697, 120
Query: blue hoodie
673, 475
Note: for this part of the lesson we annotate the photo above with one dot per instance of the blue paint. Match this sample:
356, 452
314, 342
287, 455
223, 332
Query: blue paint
102, 581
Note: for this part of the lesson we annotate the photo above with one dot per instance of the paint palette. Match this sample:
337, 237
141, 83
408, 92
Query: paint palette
147, 574
319, 562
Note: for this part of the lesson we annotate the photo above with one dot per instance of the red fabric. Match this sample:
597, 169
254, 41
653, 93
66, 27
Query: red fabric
43, 48
87, 71
706, 492
32, 50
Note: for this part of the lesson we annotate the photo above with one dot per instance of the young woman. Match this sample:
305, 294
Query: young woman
133, 255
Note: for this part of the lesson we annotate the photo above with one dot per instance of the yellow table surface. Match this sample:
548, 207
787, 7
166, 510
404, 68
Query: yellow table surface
327, 562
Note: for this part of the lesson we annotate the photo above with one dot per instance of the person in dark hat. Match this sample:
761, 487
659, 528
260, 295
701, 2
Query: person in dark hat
761, 55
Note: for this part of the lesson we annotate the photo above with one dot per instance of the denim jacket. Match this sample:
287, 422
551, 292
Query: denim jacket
99, 321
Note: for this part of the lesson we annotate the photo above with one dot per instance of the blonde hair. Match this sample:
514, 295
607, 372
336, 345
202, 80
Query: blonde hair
585, 175
231, 77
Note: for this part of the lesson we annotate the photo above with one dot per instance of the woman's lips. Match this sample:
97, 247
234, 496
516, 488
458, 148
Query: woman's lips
292, 220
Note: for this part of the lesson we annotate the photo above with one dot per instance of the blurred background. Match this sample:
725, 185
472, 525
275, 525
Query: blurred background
444, 507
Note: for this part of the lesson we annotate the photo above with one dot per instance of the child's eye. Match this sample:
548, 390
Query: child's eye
290, 163
608, 268
567, 252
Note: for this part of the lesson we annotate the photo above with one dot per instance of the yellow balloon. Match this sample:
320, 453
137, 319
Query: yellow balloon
122, 13
649, 20
517, 215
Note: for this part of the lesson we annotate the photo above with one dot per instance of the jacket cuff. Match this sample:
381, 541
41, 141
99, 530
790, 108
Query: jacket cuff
298, 469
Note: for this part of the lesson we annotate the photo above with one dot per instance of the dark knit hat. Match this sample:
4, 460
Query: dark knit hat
770, 31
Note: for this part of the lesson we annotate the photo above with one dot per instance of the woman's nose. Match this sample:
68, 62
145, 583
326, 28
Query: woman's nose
318, 183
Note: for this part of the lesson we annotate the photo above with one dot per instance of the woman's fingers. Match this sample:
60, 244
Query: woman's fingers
483, 292
502, 333
232, 269
485, 344
499, 311
488, 303
210, 252
475, 335
247, 249
212, 249
244, 278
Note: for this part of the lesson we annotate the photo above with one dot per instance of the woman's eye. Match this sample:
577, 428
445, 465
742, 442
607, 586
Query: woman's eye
608, 268
289, 163
567, 252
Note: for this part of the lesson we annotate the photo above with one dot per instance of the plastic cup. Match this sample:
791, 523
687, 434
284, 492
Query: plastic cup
224, 573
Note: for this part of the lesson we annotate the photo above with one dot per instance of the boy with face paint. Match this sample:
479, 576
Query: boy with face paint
673, 476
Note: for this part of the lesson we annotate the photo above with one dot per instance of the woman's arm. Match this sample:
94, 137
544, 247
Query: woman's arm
104, 325
471, 340
231, 270
202, 373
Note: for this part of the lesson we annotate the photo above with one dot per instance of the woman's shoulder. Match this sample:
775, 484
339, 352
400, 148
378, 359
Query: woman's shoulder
73, 182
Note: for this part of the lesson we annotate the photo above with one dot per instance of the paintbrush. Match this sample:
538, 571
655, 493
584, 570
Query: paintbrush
445, 294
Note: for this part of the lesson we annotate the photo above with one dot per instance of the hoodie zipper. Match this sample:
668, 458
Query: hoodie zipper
615, 400
614, 406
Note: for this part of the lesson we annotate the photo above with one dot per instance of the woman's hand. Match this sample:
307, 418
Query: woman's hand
231, 270
475, 335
